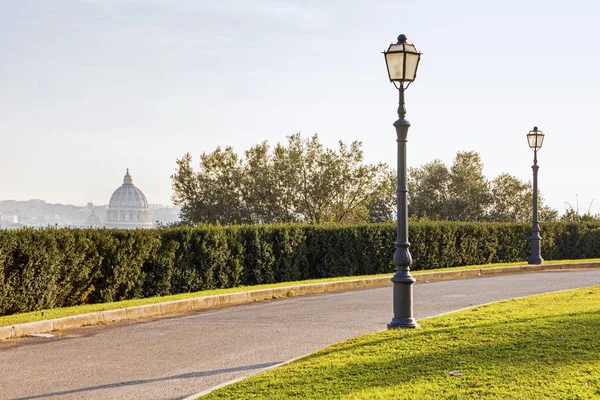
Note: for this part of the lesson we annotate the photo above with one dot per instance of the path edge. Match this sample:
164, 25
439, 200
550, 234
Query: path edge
229, 299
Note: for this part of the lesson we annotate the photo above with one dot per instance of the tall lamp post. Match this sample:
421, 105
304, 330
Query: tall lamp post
402, 60
535, 138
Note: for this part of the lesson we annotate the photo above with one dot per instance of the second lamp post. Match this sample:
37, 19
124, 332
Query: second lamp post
535, 138
402, 60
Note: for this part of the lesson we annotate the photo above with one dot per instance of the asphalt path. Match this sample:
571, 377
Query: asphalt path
173, 358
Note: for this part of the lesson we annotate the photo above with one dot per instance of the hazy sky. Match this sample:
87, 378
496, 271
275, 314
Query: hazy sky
89, 88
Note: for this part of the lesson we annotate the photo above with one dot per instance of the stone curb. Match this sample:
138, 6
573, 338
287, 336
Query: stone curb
222, 300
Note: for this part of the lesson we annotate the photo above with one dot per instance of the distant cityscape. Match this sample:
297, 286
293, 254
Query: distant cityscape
127, 208
37, 213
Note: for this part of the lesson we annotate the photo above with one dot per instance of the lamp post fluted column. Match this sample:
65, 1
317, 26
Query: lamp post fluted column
403, 280
535, 238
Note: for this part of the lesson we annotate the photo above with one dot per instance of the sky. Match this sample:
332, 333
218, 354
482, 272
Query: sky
89, 88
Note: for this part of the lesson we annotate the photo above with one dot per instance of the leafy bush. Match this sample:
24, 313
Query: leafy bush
51, 268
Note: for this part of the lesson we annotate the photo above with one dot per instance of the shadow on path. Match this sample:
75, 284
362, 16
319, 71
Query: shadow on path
144, 381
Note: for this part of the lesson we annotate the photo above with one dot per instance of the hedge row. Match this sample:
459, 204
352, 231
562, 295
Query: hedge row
51, 268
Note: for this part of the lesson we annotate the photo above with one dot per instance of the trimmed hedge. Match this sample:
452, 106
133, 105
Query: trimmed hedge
50, 268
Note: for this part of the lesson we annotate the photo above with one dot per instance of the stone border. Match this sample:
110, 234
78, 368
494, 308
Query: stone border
221, 300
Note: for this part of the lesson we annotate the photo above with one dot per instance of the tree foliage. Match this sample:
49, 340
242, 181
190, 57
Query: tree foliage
572, 214
429, 191
462, 193
215, 190
299, 181
470, 190
511, 199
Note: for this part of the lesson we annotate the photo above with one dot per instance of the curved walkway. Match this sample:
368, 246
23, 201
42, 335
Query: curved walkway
172, 358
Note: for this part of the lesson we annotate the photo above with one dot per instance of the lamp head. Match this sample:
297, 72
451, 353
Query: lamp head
402, 60
535, 138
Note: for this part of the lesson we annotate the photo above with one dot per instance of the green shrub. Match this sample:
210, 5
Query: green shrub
50, 268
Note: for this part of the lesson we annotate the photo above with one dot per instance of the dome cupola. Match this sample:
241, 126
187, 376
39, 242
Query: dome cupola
128, 207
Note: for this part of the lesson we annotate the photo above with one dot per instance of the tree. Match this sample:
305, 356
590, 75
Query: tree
462, 193
382, 206
469, 189
213, 194
429, 191
572, 214
352, 184
260, 187
300, 181
547, 213
511, 199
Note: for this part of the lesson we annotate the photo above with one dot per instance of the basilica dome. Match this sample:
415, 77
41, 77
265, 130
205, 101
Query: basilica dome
128, 207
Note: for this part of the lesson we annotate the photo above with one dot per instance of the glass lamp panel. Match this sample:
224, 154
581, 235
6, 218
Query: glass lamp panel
395, 64
540, 140
535, 140
412, 61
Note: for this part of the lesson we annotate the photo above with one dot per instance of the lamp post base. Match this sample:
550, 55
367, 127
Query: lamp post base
403, 295
535, 260
399, 323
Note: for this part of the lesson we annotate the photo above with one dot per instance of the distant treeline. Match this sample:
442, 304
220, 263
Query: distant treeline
302, 181
48, 268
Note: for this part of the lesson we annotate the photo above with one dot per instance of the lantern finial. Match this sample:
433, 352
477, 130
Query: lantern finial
401, 39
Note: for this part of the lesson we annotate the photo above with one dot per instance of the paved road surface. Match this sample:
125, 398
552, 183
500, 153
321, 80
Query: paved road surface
172, 358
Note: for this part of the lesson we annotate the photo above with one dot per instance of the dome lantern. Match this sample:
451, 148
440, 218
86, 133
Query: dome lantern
127, 180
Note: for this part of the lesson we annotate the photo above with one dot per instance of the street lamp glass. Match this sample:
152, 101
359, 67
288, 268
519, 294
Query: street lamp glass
535, 138
402, 60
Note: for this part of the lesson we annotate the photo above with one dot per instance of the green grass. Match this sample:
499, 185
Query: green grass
539, 347
89, 308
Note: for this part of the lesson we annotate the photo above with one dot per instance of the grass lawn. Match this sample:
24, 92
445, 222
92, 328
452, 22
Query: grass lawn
89, 308
539, 347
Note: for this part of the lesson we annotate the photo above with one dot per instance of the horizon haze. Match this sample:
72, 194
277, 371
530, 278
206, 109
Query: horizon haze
91, 88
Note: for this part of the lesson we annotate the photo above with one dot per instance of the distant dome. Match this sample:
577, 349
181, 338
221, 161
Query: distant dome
128, 207
128, 196
92, 221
